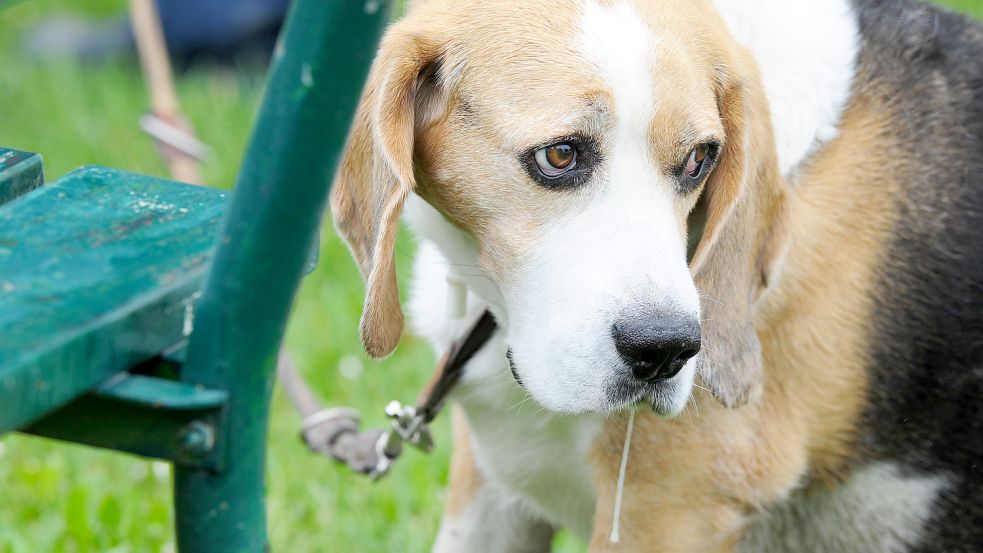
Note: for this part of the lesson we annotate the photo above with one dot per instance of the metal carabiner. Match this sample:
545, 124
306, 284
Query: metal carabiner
407, 426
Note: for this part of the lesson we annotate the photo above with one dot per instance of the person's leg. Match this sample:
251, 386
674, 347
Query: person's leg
213, 29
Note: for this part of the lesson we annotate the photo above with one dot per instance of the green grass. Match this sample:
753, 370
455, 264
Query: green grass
60, 498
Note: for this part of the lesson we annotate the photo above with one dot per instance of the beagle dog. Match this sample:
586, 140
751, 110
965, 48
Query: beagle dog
757, 225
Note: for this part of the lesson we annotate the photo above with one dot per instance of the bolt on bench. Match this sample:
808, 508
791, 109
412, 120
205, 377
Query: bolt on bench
145, 316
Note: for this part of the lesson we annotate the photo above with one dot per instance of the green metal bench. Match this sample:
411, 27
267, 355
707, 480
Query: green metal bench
145, 316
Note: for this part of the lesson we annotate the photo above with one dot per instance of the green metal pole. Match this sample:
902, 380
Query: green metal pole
318, 72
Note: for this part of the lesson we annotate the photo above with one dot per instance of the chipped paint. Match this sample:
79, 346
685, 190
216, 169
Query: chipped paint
153, 203
306, 75
189, 317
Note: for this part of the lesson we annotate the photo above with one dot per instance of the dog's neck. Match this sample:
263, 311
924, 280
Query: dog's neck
461, 251
807, 75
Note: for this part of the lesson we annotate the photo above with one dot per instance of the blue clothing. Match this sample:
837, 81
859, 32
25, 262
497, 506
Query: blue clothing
220, 28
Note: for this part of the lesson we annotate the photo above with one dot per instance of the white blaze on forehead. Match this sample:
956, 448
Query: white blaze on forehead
622, 48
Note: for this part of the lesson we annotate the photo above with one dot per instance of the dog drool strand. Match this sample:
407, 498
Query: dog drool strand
616, 517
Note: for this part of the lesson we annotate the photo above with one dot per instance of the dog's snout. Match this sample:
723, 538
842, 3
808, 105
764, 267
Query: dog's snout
656, 347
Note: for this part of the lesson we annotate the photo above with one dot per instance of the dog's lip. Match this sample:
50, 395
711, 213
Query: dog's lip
664, 411
634, 392
645, 395
515, 372
638, 395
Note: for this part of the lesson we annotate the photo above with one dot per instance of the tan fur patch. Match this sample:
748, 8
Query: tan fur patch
465, 480
485, 191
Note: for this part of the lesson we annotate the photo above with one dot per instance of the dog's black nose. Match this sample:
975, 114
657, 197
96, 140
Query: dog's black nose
656, 347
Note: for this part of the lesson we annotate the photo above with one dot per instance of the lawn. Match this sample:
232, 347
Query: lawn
61, 498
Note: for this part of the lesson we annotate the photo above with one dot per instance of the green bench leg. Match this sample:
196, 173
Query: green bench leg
326, 50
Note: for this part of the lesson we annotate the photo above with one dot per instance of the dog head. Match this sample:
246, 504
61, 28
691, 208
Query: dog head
608, 158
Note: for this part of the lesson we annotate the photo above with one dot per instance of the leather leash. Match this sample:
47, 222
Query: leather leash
335, 433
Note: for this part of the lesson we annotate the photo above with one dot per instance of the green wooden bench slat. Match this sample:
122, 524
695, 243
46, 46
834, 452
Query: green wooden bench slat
157, 393
98, 272
147, 416
20, 172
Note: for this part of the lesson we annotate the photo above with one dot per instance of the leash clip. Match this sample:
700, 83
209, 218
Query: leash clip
409, 427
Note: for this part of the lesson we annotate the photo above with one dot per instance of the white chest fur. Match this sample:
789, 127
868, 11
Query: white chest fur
538, 457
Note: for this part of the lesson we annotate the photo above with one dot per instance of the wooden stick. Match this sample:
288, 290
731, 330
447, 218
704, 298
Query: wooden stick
163, 99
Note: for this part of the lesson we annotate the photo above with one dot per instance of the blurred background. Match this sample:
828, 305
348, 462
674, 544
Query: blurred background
71, 89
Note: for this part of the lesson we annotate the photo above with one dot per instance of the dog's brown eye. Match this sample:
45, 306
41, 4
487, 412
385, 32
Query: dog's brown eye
697, 159
553, 161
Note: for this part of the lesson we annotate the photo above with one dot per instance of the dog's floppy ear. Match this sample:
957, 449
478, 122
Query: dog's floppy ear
376, 173
725, 235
